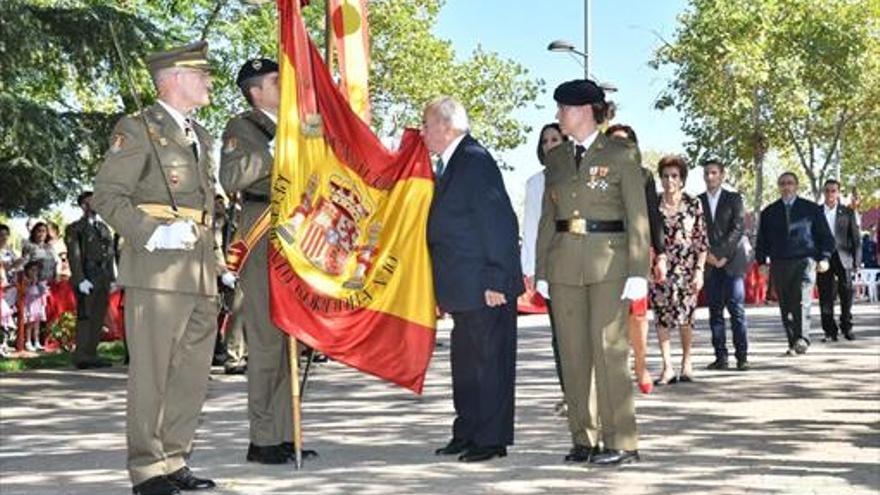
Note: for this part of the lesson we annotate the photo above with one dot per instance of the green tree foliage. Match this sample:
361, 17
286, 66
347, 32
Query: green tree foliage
794, 76
62, 85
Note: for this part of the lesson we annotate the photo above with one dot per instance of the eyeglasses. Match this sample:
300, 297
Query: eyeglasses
786, 183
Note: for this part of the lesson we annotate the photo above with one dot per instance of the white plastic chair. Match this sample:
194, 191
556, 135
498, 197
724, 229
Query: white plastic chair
869, 279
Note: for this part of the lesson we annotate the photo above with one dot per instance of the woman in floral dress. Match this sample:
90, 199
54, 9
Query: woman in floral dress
675, 299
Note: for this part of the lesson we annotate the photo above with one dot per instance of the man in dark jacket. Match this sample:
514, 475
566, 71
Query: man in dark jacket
726, 265
472, 236
845, 258
794, 235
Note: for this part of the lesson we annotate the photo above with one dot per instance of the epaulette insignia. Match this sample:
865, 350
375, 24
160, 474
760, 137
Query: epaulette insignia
554, 196
230, 145
118, 143
155, 137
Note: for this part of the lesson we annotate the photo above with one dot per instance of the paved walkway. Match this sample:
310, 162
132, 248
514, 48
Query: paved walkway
798, 425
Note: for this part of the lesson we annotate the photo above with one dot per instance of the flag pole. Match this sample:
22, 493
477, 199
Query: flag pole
296, 402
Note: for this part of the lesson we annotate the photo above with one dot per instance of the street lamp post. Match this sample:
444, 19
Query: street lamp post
588, 15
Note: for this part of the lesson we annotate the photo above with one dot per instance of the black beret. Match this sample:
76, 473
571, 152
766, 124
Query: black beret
579, 92
254, 68
83, 196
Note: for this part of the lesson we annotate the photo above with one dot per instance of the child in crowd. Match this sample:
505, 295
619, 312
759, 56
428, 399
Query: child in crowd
9, 264
35, 297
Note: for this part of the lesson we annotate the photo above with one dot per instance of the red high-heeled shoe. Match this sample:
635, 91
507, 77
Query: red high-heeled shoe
646, 387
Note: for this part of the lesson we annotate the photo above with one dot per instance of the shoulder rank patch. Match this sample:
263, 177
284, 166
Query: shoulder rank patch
554, 196
118, 143
230, 145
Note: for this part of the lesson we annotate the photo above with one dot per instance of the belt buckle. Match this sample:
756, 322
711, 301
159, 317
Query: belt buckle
578, 226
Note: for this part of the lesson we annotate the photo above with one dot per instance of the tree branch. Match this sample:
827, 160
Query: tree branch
218, 6
838, 130
797, 147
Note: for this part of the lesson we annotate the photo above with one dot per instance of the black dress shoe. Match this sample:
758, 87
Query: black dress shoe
661, 382
270, 454
718, 364
582, 453
849, 335
291, 453
185, 480
455, 446
743, 365
478, 454
236, 369
615, 457
157, 485
98, 363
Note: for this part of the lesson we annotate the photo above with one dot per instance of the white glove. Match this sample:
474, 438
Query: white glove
823, 266
635, 288
543, 288
229, 279
178, 235
272, 148
85, 286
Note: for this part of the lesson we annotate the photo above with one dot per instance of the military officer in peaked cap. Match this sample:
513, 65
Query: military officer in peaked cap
156, 188
246, 168
593, 250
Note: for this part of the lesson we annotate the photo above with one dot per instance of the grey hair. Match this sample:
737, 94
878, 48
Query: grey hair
451, 111
161, 75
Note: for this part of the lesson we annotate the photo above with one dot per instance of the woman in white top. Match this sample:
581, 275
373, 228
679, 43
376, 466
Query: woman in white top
550, 137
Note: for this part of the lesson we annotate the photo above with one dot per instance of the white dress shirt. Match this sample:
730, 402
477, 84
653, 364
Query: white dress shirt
713, 201
586, 142
181, 121
450, 149
831, 217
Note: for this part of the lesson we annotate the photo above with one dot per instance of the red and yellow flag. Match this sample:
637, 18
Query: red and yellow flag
349, 269
351, 36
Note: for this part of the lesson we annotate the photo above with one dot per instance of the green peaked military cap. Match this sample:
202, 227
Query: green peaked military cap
191, 56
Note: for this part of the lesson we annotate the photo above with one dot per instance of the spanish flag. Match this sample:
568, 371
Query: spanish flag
349, 269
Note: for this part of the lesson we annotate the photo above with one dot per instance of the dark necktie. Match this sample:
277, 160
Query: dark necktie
787, 215
579, 152
191, 137
438, 168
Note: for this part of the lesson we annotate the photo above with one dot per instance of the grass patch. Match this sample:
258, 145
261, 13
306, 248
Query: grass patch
111, 351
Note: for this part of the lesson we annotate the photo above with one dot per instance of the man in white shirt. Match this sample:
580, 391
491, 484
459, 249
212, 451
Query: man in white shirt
845, 258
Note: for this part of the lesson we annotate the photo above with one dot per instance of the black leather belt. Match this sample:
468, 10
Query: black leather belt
254, 198
582, 226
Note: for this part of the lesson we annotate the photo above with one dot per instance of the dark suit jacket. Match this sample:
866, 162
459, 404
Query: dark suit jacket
725, 231
807, 235
472, 232
847, 240
655, 219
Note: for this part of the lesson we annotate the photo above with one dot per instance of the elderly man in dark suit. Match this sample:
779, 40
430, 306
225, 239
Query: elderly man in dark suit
794, 235
472, 236
845, 258
727, 261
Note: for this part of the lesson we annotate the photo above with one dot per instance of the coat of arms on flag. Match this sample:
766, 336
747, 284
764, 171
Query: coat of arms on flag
349, 269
